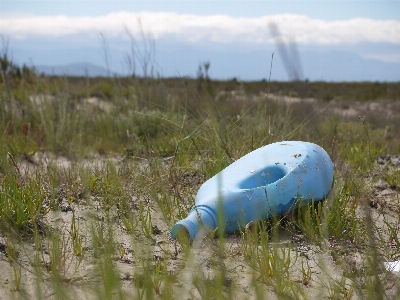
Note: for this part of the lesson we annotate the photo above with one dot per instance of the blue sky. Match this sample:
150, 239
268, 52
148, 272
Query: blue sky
188, 32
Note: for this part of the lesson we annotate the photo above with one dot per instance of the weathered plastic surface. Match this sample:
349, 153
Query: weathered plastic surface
264, 183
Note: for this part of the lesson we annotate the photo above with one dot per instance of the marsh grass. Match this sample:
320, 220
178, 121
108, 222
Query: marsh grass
98, 226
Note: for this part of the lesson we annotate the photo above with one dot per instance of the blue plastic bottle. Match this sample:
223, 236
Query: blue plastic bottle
264, 183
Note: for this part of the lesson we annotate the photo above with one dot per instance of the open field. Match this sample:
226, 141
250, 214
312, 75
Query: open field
95, 171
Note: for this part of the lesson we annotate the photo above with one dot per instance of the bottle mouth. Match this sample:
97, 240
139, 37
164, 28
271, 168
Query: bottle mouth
200, 218
180, 233
185, 229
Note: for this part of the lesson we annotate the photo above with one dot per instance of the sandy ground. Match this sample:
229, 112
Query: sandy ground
204, 261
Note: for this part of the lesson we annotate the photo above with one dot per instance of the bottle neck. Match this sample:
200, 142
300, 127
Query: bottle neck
202, 217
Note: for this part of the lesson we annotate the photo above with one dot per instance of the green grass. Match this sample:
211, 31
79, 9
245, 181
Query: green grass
98, 227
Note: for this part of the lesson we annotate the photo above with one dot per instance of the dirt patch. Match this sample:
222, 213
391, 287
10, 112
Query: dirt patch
39, 100
348, 109
391, 110
97, 102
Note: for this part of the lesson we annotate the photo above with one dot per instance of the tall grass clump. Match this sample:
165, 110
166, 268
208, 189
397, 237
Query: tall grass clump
21, 204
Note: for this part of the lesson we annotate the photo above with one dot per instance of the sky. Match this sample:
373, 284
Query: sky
310, 38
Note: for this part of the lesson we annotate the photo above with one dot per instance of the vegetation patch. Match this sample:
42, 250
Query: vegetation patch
90, 189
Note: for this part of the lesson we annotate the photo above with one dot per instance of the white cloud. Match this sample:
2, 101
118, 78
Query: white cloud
391, 57
216, 28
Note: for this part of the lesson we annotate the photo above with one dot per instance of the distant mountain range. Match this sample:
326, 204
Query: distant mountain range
76, 69
228, 63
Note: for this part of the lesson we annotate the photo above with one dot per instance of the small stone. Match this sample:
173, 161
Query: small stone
3, 248
155, 230
373, 204
228, 282
380, 160
65, 208
207, 263
304, 254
